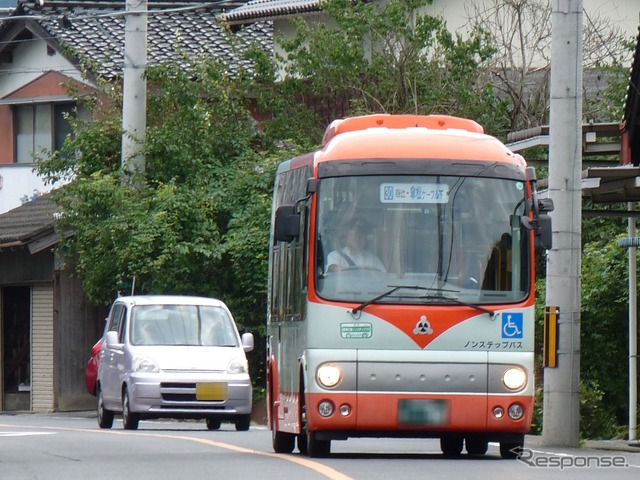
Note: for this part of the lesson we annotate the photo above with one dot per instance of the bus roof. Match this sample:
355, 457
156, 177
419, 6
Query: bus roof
435, 122
412, 136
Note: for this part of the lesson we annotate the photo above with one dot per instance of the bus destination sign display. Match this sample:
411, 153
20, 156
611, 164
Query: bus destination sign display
414, 193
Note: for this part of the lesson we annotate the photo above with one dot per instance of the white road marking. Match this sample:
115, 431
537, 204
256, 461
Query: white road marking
24, 434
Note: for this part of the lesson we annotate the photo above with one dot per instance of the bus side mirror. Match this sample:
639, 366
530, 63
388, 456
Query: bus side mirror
545, 205
541, 227
287, 224
543, 236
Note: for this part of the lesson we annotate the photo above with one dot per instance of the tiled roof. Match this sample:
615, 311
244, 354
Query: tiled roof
260, 10
21, 224
93, 31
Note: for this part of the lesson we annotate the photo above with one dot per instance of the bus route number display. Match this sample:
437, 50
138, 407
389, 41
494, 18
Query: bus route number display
414, 193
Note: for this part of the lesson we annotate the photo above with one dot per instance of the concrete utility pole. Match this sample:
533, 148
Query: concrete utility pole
134, 91
633, 335
561, 414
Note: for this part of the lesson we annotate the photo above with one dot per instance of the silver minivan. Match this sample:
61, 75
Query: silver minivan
173, 356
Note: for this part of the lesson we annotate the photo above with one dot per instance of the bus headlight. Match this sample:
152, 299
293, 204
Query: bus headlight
329, 375
514, 378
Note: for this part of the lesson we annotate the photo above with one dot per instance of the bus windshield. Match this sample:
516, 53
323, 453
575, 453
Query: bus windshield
439, 239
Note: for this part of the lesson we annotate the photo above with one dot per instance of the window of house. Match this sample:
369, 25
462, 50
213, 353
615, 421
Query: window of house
40, 126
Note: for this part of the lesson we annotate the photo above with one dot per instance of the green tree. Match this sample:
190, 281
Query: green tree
199, 223
388, 57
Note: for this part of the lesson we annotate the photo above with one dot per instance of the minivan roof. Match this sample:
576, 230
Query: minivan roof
169, 300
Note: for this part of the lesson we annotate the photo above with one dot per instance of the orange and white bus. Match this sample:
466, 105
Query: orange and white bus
401, 287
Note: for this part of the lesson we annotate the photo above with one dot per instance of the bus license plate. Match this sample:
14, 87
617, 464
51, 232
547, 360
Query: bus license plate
423, 412
212, 391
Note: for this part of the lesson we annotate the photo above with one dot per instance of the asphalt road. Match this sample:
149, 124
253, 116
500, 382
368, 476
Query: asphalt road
72, 447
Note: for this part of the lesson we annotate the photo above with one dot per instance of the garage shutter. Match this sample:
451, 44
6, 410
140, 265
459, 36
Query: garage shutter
42, 397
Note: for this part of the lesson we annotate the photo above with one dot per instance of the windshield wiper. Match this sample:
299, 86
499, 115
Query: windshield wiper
438, 296
393, 290
461, 302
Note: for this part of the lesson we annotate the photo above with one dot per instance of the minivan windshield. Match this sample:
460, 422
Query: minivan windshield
182, 325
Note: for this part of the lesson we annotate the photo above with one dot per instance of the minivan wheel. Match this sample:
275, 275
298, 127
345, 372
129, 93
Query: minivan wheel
130, 420
105, 417
213, 423
243, 423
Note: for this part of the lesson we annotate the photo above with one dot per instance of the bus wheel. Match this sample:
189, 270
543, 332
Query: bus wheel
511, 450
317, 448
282, 442
476, 445
302, 443
451, 446
310, 444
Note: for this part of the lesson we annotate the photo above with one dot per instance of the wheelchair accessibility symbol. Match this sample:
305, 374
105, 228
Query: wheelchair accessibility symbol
512, 325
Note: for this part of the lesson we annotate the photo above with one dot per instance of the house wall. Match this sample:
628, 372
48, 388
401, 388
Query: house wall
35, 71
30, 60
64, 327
18, 181
622, 13
47, 85
19, 267
78, 325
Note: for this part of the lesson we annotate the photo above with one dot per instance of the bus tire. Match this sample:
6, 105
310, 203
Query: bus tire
451, 446
302, 443
476, 445
511, 450
282, 442
317, 448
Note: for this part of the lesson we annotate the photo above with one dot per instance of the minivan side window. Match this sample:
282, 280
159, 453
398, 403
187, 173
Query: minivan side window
117, 319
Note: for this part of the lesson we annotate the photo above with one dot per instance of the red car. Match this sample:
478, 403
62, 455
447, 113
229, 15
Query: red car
91, 371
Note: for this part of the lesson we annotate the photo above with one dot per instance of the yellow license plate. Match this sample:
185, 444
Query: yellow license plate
212, 391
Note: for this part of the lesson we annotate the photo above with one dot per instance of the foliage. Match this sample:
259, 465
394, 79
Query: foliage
379, 62
604, 321
520, 32
597, 420
603, 332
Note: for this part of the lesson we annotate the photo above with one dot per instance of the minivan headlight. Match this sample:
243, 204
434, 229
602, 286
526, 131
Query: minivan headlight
238, 365
145, 364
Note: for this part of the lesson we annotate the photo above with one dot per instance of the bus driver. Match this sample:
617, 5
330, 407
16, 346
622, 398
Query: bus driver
353, 252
